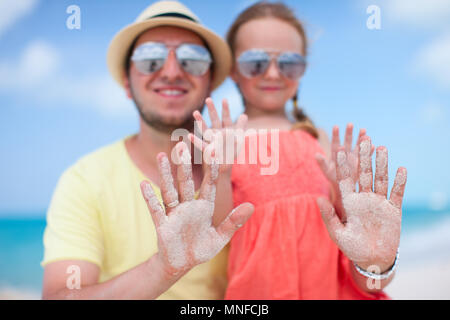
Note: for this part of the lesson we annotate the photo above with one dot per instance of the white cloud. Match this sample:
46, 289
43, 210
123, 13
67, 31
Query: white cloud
433, 60
426, 14
12, 11
37, 75
37, 63
433, 114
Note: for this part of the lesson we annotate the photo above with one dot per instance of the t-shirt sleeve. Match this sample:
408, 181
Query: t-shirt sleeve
73, 230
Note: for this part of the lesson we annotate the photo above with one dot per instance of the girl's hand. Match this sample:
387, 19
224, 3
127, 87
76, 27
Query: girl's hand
186, 236
329, 167
370, 236
222, 133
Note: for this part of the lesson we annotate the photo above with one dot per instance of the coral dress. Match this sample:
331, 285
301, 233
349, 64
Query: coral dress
284, 250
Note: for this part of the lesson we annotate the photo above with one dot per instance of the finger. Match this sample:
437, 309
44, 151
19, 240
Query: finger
348, 138
381, 172
226, 118
365, 165
168, 191
197, 142
184, 173
362, 133
235, 220
153, 204
201, 123
242, 121
324, 165
398, 189
344, 180
213, 115
239, 134
208, 187
330, 218
335, 143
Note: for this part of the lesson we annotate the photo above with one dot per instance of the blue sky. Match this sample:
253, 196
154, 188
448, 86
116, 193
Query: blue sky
58, 101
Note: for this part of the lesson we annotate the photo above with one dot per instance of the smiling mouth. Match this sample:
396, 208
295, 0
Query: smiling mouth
171, 93
270, 88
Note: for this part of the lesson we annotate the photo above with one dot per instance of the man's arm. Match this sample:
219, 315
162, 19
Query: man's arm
146, 281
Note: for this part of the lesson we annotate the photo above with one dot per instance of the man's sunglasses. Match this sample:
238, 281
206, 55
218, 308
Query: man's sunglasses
150, 57
255, 62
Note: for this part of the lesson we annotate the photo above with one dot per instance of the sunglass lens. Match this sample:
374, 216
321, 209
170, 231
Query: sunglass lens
292, 65
149, 57
149, 66
194, 59
253, 63
195, 67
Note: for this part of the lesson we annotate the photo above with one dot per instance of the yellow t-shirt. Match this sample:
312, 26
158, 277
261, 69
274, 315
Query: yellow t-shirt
98, 214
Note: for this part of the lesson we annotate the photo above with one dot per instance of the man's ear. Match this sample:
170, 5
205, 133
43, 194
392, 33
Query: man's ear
126, 85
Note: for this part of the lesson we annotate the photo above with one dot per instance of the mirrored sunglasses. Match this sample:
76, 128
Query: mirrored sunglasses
255, 62
150, 57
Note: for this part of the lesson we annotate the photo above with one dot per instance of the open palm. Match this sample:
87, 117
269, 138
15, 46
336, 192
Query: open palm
223, 133
370, 235
186, 236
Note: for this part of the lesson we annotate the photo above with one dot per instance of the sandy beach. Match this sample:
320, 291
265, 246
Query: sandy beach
424, 281
9, 293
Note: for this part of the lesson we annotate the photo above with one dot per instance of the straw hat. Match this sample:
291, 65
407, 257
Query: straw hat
168, 13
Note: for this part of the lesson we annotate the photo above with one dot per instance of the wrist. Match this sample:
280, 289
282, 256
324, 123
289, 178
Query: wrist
378, 271
165, 272
381, 266
225, 173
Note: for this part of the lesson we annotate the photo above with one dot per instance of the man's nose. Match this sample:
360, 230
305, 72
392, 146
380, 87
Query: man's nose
272, 71
171, 69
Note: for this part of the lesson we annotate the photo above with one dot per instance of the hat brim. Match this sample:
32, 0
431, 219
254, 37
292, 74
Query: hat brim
120, 45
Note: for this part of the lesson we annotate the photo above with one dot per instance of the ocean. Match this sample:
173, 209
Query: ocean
425, 237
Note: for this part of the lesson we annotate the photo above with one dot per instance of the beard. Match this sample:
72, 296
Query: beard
160, 124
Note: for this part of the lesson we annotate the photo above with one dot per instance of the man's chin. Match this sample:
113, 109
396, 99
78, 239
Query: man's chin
168, 125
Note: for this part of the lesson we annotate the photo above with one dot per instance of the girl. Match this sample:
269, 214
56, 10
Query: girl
312, 236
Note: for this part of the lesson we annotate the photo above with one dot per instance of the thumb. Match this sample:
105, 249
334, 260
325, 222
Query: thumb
325, 167
330, 218
235, 220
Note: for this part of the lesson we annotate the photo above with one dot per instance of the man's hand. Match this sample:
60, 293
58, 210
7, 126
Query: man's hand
370, 235
186, 236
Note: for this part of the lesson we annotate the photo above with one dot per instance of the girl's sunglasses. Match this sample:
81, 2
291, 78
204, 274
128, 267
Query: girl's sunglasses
150, 57
255, 62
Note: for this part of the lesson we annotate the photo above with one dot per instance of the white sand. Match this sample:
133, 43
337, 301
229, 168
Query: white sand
424, 281
8, 293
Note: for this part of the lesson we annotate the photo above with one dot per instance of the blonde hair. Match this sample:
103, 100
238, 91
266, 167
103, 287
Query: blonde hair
265, 9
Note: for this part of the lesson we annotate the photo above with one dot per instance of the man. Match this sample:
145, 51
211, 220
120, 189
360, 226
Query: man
100, 241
